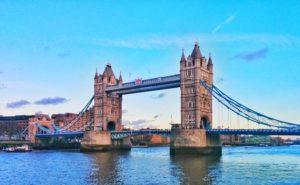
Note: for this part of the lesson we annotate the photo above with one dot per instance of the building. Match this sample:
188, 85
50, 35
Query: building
159, 140
22, 127
62, 119
12, 127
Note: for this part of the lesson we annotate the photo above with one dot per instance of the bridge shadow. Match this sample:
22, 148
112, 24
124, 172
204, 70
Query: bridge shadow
151, 165
195, 169
106, 167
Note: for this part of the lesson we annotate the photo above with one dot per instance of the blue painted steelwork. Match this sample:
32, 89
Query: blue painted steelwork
167, 133
70, 134
124, 134
76, 119
284, 132
153, 84
246, 112
56, 128
44, 129
283, 128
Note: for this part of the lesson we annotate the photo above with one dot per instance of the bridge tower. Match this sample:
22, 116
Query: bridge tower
196, 108
107, 115
108, 107
196, 102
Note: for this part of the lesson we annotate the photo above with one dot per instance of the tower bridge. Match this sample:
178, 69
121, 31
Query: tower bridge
195, 133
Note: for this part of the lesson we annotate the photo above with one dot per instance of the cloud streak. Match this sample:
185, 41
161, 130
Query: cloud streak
164, 41
137, 124
63, 54
253, 55
227, 21
17, 104
51, 101
158, 96
219, 80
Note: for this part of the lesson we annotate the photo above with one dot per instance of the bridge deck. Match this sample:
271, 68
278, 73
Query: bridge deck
159, 83
167, 133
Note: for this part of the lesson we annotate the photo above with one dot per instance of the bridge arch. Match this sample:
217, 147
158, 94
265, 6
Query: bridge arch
111, 126
205, 123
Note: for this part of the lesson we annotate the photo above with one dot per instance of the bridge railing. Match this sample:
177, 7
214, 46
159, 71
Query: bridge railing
153, 81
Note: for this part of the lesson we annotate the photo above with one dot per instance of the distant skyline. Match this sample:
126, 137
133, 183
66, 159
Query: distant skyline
49, 52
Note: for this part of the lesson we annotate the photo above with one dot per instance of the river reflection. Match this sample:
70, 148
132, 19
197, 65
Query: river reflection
150, 166
237, 165
195, 170
106, 167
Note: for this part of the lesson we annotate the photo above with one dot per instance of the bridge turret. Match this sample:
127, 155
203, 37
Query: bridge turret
120, 80
108, 75
196, 105
108, 106
96, 74
196, 54
210, 64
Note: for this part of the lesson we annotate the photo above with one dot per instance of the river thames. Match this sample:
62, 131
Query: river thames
238, 165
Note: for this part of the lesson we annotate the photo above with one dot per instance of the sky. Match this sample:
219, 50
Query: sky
49, 52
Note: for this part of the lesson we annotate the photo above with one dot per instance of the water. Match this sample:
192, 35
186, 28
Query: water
238, 165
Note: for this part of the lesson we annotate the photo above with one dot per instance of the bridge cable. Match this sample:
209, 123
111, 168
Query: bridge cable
245, 112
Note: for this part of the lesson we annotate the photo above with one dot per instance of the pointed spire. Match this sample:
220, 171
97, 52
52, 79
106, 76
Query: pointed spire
196, 54
108, 71
209, 60
209, 64
96, 74
182, 56
120, 78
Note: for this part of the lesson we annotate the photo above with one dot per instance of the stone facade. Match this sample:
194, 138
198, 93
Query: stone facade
101, 141
23, 127
12, 127
196, 102
107, 107
62, 120
43, 120
194, 141
190, 136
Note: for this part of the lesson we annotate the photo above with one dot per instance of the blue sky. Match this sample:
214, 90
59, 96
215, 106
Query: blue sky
49, 51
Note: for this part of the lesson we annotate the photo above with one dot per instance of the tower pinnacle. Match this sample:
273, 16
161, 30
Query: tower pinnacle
196, 54
96, 74
182, 56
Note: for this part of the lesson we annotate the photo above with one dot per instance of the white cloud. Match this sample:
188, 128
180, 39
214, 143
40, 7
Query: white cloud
227, 21
164, 41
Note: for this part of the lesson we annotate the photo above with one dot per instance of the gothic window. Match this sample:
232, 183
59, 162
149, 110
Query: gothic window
189, 73
100, 112
190, 104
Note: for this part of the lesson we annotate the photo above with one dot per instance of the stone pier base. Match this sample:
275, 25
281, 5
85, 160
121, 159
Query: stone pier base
194, 141
101, 141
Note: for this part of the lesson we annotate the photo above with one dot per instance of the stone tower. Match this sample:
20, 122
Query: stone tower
196, 102
108, 107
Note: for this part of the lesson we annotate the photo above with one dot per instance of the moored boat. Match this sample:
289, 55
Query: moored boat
23, 148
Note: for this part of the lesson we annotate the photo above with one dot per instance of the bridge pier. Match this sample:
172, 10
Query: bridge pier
101, 141
195, 142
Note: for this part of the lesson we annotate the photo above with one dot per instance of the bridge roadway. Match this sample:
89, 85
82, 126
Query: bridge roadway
138, 86
167, 133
